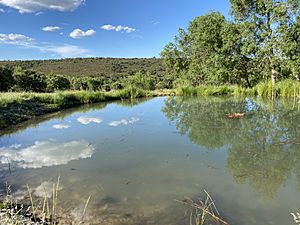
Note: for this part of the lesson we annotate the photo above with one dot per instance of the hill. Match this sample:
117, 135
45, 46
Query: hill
109, 67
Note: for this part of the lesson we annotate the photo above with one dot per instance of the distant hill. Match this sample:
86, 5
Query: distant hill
92, 66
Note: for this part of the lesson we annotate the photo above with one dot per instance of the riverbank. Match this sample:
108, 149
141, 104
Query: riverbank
16, 107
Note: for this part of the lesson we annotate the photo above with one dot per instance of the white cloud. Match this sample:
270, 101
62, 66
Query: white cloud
30, 6
39, 13
60, 126
78, 33
15, 39
51, 28
118, 28
63, 50
123, 122
2, 11
46, 153
155, 23
88, 120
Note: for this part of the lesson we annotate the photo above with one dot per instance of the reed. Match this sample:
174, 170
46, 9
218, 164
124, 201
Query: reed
203, 211
46, 213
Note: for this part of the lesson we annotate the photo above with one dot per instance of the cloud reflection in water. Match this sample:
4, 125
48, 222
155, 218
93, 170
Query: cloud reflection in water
46, 153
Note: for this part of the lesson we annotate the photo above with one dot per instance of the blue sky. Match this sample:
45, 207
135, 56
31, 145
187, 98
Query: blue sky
43, 29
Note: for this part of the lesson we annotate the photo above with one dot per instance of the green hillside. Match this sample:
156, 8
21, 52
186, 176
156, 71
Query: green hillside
92, 66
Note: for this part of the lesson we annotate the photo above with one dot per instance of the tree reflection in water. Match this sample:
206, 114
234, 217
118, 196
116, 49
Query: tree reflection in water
262, 147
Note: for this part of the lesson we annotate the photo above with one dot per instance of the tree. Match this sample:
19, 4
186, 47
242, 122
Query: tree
175, 54
57, 82
264, 23
6, 79
26, 80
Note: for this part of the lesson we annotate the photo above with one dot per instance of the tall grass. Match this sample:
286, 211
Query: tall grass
286, 88
37, 211
70, 98
204, 211
205, 90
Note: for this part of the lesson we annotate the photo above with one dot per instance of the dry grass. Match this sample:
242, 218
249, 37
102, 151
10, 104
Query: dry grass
39, 211
203, 211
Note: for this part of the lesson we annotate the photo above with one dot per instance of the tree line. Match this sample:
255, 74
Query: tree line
22, 80
259, 42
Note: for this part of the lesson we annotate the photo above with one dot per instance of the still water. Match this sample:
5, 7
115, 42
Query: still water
137, 158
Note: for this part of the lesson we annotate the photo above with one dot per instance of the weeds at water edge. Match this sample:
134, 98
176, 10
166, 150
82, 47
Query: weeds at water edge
203, 211
37, 212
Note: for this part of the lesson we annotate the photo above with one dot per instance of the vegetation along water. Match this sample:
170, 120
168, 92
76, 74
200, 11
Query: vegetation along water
207, 133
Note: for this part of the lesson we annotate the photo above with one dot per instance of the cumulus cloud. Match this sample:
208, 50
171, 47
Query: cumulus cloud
123, 122
60, 126
88, 120
31, 6
15, 39
118, 28
78, 33
2, 10
51, 28
46, 153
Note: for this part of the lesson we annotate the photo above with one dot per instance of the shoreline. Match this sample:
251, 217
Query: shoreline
19, 107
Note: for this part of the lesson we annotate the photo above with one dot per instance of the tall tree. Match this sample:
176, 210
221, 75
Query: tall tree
265, 21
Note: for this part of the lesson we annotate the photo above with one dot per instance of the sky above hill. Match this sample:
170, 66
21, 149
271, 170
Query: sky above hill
43, 29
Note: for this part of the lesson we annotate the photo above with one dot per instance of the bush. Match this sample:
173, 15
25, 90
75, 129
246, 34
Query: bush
6, 79
57, 82
29, 81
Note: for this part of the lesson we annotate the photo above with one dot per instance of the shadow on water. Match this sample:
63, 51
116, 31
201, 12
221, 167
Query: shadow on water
263, 147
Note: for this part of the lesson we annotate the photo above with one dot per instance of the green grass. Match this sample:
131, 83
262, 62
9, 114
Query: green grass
286, 88
19, 107
205, 90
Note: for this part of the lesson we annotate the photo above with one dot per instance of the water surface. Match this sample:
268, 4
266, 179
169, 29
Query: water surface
136, 159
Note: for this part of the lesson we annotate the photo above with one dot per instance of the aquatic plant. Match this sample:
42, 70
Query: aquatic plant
203, 211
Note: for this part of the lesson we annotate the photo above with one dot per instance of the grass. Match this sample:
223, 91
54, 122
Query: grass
18, 107
204, 211
41, 211
205, 90
286, 88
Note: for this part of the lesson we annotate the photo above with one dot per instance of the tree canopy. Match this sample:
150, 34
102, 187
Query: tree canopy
260, 43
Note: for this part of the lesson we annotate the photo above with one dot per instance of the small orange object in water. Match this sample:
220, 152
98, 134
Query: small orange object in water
235, 115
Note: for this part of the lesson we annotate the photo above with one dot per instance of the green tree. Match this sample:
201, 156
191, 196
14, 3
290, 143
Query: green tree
175, 54
264, 23
57, 82
26, 80
6, 79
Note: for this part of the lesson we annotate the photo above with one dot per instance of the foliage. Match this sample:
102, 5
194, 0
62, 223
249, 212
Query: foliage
92, 67
26, 80
141, 81
57, 82
261, 43
6, 79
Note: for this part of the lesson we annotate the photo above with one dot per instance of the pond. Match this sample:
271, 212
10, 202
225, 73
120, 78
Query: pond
137, 158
